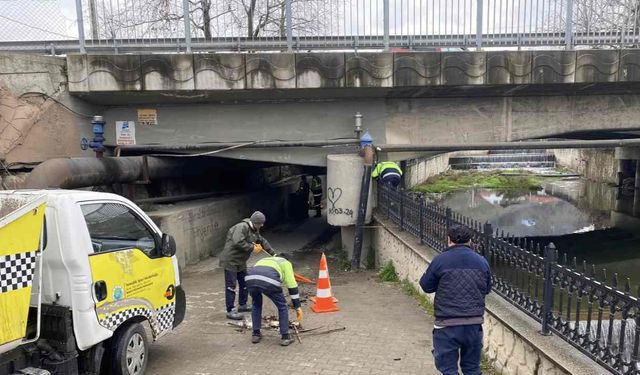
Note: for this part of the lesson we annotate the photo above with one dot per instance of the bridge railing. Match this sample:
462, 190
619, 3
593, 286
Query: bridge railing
294, 25
594, 313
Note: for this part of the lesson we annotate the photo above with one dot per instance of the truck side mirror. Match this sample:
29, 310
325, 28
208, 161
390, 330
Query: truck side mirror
167, 245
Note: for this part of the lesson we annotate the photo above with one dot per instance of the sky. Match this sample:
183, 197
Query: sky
22, 20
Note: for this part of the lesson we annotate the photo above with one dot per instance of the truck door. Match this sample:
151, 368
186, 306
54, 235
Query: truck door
130, 277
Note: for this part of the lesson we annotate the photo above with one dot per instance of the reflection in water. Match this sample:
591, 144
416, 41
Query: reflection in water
587, 220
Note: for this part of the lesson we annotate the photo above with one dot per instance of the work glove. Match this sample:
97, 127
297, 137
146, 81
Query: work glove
257, 248
299, 314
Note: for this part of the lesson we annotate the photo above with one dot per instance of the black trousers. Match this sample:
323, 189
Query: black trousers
232, 278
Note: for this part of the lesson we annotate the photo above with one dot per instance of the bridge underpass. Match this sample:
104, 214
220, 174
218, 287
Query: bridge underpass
393, 115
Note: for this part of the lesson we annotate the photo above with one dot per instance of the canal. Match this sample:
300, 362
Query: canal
590, 221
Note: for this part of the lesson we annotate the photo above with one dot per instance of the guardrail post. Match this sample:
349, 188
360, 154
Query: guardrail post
187, 24
385, 15
568, 26
487, 230
80, 20
547, 306
479, 18
401, 211
421, 213
288, 24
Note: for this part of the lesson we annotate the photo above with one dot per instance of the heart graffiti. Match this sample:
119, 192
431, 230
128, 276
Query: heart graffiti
333, 195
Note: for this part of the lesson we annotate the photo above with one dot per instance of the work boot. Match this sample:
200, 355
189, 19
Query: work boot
256, 338
244, 308
286, 341
234, 315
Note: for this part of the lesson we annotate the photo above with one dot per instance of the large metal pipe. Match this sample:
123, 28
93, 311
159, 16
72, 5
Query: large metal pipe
524, 145
368, 155
214, 146
75, 173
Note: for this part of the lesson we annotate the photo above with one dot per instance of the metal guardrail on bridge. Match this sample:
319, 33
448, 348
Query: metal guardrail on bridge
294, 25
593, 314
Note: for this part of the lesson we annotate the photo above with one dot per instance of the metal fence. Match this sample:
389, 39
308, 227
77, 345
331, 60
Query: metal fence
591, 311
292, 25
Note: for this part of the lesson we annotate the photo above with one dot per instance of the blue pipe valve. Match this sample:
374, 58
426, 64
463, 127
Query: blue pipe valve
97, 143
366, 140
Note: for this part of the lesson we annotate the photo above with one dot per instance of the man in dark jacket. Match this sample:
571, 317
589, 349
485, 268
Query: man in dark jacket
242, 239
461, 279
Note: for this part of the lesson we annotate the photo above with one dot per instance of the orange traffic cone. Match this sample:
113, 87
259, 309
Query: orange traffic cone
324, 301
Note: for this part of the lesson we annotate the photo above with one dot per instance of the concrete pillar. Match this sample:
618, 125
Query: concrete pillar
637, 180
347, 236
344, 179
620, 171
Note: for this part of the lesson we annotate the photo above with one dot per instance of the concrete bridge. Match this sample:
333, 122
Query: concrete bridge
450, 97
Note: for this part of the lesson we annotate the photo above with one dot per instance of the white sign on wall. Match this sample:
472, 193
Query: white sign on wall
125, 132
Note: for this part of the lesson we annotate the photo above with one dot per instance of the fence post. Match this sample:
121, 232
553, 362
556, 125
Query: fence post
288, 24
81, 38
401, 211
187, 24
385, 16
479, 17
568, 26
488, 233
421, 212
547, 305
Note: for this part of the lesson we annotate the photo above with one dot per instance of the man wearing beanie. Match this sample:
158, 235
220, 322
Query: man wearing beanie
461, 279
242, 239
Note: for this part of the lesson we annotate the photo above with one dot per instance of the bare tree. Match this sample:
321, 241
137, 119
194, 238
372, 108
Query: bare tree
209, 18
614, 17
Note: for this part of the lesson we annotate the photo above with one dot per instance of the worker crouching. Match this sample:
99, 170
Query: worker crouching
267, 278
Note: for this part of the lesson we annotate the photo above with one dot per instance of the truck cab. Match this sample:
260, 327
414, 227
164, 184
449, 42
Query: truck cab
106, 281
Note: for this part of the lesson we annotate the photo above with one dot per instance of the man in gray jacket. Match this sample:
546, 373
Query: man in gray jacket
242, 239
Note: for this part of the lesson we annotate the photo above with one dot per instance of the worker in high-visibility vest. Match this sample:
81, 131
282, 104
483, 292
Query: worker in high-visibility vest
316, 190
267, 278
388, 172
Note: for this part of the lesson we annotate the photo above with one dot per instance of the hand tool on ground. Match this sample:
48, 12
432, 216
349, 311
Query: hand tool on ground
295, 329
327, 331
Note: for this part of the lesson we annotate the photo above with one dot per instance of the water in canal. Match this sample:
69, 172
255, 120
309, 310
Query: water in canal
589, 221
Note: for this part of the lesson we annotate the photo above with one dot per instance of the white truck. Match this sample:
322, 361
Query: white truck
84, 276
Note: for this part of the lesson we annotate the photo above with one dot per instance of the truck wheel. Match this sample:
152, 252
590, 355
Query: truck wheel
129, 351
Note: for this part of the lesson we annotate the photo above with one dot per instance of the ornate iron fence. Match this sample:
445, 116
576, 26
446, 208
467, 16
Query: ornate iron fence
592, 312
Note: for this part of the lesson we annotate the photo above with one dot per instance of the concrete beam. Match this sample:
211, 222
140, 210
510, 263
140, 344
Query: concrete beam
627, 153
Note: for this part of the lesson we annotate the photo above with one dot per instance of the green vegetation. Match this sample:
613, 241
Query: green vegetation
453, 181
344, 263
422, 298
388, 273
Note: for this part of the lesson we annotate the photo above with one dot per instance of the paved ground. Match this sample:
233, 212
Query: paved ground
386, 332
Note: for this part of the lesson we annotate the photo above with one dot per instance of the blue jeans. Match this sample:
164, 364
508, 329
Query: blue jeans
281, 304
230, 280
463, 343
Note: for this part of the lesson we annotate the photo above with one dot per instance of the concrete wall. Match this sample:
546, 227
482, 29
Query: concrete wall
34, 128
200, 227
594, 164
511, 338
258, 71
417, 171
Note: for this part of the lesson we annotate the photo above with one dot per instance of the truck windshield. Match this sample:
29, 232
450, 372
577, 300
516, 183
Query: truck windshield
113, 226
